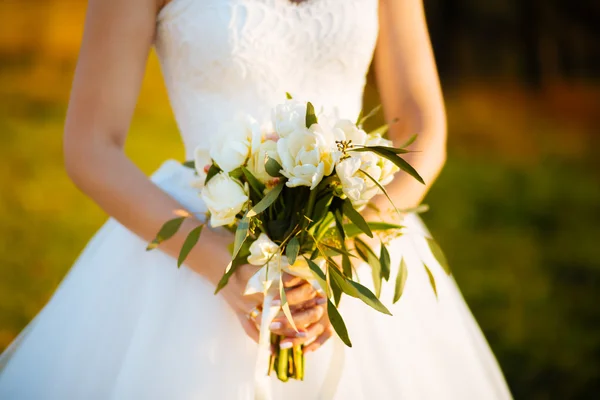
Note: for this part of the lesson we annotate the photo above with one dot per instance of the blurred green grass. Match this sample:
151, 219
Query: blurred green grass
517, 207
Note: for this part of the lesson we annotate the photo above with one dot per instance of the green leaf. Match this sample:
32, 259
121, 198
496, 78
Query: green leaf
189, 164
410, 141
393, 157
288, 96
431, 280
375, 149
400, 281
292, 249
346, 265
269, 198
336, 291
272, 167
384, 260
189, 243
357, 290
370, 258
241, 233
322, 207
318, 274
311, 117
352, 230
236, 173
255, 184
338, 323
337, 251
212, 171
166, 232
370, 115
356, 218
437, 252
341, 228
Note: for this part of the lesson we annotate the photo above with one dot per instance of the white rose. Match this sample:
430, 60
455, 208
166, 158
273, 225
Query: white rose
388, 168
307, 155
230, 146
224, 198
256, 163
288, 117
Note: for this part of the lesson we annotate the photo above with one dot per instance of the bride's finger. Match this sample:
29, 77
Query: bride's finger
290, 281
300, 294
302, 318
315, 330
325, 336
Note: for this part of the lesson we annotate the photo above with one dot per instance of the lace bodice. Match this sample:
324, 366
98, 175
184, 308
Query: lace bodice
224, 57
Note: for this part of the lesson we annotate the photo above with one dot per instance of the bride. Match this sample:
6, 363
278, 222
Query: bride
128, 324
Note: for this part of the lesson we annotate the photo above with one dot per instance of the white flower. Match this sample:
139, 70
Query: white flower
351, 131
307, 155
256, 163
201, 161
230, 146
388, 168
225, 198
262, 250
356, 185
289, 117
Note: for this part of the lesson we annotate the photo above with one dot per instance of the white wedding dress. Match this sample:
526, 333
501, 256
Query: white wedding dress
128, 324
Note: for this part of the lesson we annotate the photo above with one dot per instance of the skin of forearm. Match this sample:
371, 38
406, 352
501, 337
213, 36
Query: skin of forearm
103, 172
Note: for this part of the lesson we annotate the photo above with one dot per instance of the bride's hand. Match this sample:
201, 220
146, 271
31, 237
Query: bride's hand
309, 311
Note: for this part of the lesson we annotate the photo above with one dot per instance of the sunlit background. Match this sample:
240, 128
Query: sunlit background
517, 207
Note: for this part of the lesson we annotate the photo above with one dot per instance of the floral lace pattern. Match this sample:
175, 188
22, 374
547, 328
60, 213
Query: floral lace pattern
223, 57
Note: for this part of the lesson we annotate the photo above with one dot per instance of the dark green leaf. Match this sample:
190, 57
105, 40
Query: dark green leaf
346, 265
437, 252
336, 290
371, 114
378, 149
322, 206
370, 258
410, 141
352, 230
288, 96
356, 218
189, 243
167, 231
384, 260
272, 167
189, 164
241, 233
393, 157
311, 117
338, 323
212, 171
236, 173
231, 268
255, 184
400, 280
318, 274
292, 249
431, 280
341, 228
269, 198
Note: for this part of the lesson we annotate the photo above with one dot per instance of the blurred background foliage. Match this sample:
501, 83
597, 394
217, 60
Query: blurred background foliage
517, 207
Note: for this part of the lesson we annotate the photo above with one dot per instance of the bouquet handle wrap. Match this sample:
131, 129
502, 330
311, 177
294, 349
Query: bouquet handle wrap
262, 387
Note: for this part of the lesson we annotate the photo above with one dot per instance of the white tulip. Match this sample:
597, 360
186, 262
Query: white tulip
225, 198
256, 163
288, 117
351, 131
307, 155
231, 145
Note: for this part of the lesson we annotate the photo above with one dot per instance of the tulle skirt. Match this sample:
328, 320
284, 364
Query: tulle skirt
128, 324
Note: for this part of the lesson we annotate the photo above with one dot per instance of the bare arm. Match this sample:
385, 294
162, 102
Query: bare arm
410, 91
117, 39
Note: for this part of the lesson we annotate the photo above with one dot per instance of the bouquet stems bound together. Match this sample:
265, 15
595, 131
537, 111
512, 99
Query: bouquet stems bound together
292, 194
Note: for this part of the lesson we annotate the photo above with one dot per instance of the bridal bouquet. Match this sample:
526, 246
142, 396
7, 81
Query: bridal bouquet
293, 195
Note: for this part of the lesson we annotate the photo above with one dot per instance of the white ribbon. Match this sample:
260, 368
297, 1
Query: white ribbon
264, 252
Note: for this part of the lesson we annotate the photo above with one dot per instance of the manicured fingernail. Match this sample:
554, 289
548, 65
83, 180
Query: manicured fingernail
285, 345
275, 325
301, 334
321, 300
276, 303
